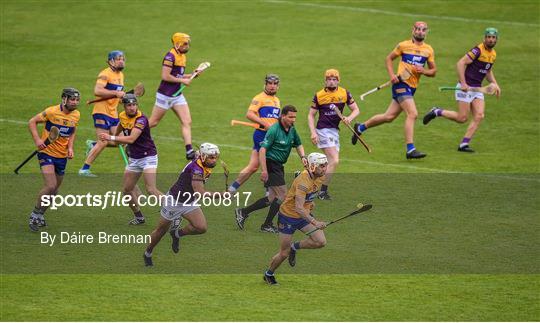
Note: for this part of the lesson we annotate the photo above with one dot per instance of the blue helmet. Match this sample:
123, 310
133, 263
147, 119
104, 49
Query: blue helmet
114, 54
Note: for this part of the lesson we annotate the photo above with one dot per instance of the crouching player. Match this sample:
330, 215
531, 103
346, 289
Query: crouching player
53, 158
141, 150
181, 201
295, 214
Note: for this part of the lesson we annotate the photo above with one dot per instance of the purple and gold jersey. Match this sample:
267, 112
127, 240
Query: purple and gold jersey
326, 101
413, 55
144, 145
113, 81
65, 122
182, 189
482, 62
177, 62
267, 107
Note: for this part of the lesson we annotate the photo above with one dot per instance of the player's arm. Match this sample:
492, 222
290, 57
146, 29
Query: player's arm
430, 71
197, 183
32, 127
101, 91
491, 79
168, 77
302, 154
135, 133
71, 141
389, 62
252, 116
460, 67
355, 111
262, 163
311, 122
299, 201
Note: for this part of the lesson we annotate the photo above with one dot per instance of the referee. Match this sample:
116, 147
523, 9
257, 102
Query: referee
274, 152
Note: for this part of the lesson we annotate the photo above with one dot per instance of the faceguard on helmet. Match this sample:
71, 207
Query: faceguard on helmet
331, 73
129, 98
208, 149
68, 94
315, 160
179, 39
274, 78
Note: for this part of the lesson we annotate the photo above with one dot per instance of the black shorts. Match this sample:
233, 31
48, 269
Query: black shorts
276, 173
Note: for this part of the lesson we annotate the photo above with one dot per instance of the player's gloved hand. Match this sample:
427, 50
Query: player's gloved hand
40, 144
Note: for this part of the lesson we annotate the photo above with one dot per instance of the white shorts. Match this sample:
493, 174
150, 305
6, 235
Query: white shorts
468, 97
328, 137
170, 210
140, 164
167, 102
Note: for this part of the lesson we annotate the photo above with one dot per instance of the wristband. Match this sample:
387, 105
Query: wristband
113, 138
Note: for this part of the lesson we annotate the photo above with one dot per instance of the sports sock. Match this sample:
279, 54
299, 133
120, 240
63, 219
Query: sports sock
234, 187
464, 142
438, 112
37, 210
86, 166
324, 188
269, 273
189, 148
274, 209
295, 246
138, 214
410, 147
361, 128
259, 204
148, 254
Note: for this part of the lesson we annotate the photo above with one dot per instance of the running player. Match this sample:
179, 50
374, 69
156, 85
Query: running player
53, 158
181, 201
296, 214
142, 152
414, 55
472, 68
273, 154
172, 78
326, 135
110, 83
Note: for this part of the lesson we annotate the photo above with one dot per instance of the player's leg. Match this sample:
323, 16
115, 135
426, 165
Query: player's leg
332, 153
131, 177
48, 188
409, 106
316, 240
464, 100
196, 223
156, 235
150, 180
284, 249
102, 126
246, 172
276, 196
391, 113
477, 109
184, 115
158, 113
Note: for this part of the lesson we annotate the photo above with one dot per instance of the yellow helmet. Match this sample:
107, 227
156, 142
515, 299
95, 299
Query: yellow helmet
179, 39
331, 73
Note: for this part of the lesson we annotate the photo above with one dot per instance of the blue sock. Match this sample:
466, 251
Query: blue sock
410, 147
86, 166
269, 273
361, 128
235, 185
296, 245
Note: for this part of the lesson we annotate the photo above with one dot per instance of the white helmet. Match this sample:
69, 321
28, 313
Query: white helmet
208, 149
316, 159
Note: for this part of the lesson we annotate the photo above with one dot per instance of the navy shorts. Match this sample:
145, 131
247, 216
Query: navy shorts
402, 90
288, 225
103, 121
59, 163
258, 137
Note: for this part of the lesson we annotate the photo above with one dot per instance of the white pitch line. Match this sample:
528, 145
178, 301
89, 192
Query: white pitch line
367, 162
403, 14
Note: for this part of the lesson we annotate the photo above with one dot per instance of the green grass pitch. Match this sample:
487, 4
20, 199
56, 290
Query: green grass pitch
451, 237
